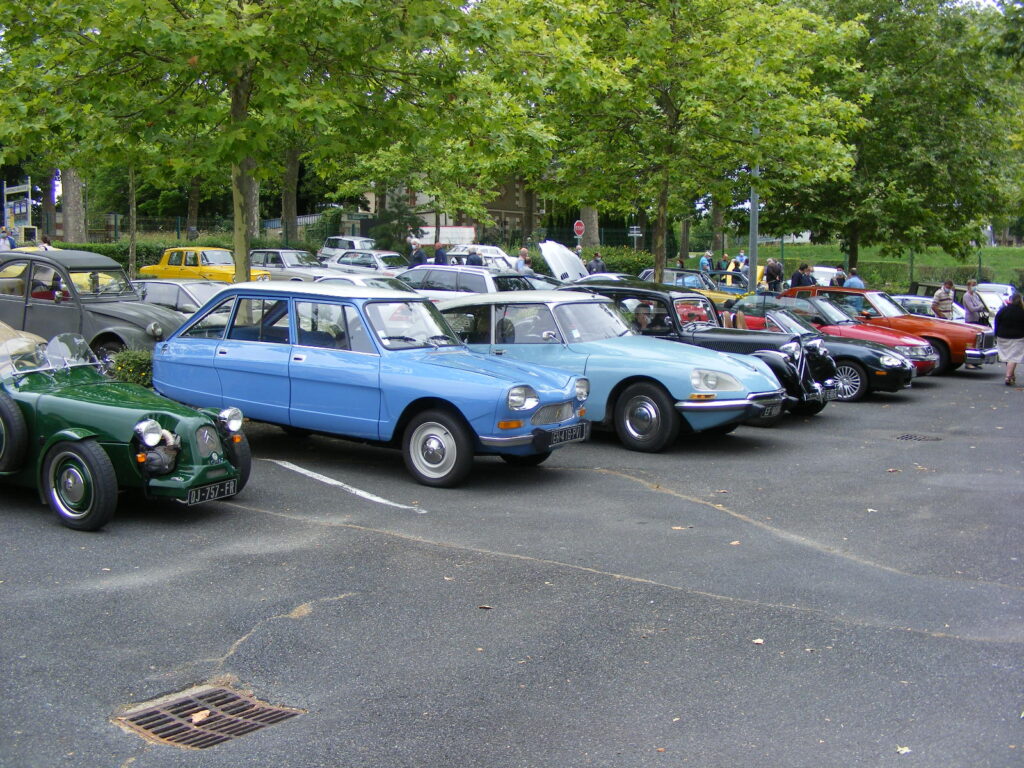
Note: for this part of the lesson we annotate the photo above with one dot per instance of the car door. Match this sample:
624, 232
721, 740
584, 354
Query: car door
172, 269
252, 358
14, 285
184, 368
334, 370
53, 305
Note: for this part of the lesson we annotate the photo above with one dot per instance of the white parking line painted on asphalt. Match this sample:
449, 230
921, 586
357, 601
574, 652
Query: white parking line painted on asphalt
351, 489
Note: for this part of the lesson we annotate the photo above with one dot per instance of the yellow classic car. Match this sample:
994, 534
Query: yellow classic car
198, 262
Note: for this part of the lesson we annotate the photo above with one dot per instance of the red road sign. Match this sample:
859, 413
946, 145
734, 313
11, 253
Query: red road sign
578, 228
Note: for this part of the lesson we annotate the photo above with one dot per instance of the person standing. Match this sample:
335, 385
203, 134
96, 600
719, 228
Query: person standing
773, 275
5, 244
473, 259
418, 256
521, 262
440, 254
1009, 329
45, 244
975, 310
840, 278
854, 281
705, 262
596, 264
801, 277
942, 301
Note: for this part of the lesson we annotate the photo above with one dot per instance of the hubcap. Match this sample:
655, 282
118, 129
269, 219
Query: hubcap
71, 486
847, 382
433, 450
642, 418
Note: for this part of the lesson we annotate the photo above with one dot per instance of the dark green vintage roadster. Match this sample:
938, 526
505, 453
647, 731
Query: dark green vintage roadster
80, 438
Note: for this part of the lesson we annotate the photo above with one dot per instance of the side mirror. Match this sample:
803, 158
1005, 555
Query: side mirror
188, 308
549, 336
58, 296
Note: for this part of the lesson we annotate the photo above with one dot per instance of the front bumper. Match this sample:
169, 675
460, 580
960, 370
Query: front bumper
178, 483
892, 379
981, 356
753, 405
924, 365
540, 440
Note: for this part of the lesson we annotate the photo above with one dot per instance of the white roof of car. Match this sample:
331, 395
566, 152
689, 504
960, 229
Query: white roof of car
331, 290
524, 297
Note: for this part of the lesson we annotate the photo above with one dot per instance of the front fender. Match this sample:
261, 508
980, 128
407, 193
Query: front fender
133, 338
71, 435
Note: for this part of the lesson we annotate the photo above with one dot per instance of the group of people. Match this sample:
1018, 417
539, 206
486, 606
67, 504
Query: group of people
418, 256
1008, 325
724, 264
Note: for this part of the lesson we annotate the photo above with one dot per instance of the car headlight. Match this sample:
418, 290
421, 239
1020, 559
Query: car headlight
263, 277
149, 432
893, 361
792, 350
582, 389
914, 351
155, 330
713, 381
522, 398
230, 419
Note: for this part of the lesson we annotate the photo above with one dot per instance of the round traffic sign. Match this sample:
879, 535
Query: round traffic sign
578, 228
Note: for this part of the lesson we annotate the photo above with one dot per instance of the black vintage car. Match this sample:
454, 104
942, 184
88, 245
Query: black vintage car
802, 365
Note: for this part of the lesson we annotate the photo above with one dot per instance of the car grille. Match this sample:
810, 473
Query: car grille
985, 340
208, 442
552, 414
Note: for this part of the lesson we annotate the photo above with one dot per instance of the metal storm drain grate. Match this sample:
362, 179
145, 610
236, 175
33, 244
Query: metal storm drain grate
203, 717
920, 438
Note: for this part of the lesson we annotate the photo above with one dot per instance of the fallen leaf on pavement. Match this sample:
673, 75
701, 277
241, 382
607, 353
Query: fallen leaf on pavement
894, 470
681, 527
484, 607
758, 641
734, 543
198, 717
903, 750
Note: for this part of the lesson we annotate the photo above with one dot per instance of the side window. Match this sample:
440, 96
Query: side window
441, 280
321, 324
212, 324
13, 279
174, 259
852, 302
470, 281
693, 311
164, 294
524, 324
358, 336
45, 282
415, 278
258, 258
191, 259
262, 320
272, 259
472, 324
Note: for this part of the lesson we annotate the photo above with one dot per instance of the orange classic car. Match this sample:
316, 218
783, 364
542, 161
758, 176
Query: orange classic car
954, 343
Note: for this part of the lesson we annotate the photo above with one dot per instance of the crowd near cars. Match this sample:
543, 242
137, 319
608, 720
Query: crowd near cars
442, 362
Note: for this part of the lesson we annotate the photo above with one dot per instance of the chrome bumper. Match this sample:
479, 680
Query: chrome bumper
756, 401
538, 438
981, 356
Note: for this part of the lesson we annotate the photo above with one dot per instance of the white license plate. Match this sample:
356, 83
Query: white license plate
771, 411
212, 492
831, 394
572, 434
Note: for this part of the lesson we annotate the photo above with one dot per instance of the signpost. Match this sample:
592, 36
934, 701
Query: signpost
636, 234
578, 229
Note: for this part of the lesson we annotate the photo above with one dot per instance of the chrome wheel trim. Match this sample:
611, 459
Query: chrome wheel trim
848, 381
71, 485
642, 418
433, 450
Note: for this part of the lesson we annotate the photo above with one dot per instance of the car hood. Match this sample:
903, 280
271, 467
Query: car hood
888, 336
501, 369
565, 265
647, 350
138, 313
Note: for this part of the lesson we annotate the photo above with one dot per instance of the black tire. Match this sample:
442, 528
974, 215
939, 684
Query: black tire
942, 364
105, 353
80, 485
241, 456
851, 381
646, 419
13, 435
533, 460
438, 449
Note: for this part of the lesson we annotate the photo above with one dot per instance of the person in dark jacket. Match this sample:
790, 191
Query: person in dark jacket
418, 256
1009, 329
474, 259
802, 276
440, 254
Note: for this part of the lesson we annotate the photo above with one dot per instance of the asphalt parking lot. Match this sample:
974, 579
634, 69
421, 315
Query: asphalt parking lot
843, 590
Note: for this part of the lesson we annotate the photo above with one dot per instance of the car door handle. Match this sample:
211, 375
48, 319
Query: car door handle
222, 351
298, 358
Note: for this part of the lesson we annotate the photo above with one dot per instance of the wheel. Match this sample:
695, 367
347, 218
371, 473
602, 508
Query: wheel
241, 456
533, 460
80, 484
851, 381
810, 408
105, 353
646, 418
13, 434
438, 449
942, 364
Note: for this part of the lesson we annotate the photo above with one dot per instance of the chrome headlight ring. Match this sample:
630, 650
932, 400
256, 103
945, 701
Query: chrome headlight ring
707, 380
231, 419
893, 361
149, 432
582, 388
792, 350
155, 330
522, 398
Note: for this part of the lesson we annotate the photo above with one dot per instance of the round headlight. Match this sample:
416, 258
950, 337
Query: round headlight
231, 419
522, 398
792, 350
582, 389
263, 277
892, 361
155, 330
713, 381
149, 432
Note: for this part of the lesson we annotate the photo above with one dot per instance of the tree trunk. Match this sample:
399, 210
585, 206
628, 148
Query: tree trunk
49, 201
853, 244
717, 228
192, 212
684, 240
659, 240
243, 186
73, 206
591, 233
252, 216
529, 214
133, 223
290, 196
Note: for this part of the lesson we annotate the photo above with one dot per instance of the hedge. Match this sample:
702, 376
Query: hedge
134, 366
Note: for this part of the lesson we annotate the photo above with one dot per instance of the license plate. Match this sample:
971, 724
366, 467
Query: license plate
831, 394
211, 492
771, 411
572, 434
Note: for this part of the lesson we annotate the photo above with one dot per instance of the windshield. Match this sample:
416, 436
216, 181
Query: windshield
299, 259
823, 308
392, 283
217, 258
886, 306
789, 323
590, 321
831, 312
203, 292
409, 324
93, 282
65, 350
394, 260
